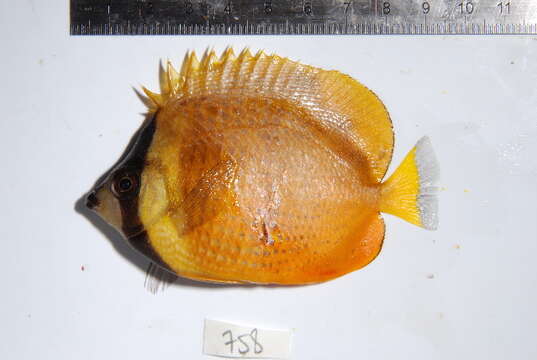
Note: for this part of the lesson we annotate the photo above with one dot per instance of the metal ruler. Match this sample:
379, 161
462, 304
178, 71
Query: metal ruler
252, 17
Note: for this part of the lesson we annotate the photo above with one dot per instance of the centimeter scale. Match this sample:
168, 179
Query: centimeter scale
251, 17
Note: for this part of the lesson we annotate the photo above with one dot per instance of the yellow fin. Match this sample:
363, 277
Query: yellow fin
156, 99
336, 100
410, 192
367, 118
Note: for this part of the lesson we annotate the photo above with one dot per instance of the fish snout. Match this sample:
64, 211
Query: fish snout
92, 201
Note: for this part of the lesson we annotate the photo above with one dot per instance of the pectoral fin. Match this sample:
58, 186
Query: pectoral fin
211, 196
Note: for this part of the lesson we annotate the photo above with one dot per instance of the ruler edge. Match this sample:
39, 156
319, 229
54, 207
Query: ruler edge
367, 29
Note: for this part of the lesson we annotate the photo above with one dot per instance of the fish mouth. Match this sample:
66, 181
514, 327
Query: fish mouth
92, 201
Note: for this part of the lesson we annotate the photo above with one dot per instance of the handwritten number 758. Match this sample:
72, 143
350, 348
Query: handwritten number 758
243, 341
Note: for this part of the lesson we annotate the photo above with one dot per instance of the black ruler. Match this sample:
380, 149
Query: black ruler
250, 17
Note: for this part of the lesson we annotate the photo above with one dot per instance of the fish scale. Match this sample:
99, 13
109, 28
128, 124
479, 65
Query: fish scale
255, 148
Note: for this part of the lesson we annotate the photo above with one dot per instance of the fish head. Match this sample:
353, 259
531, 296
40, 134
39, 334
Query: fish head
114, 199
131, 196
116, 196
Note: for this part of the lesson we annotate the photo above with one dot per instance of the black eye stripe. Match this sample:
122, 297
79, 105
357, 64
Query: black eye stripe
133, 164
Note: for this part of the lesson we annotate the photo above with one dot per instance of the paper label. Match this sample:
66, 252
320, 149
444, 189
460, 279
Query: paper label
235, 341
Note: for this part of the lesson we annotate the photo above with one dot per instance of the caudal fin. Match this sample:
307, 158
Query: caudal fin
411, 192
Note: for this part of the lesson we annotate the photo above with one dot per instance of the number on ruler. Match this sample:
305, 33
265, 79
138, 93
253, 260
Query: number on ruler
505, 8
308, 10
347, 5
386, 8
426, 7
228, 8
189, 7
268, 7
466, 7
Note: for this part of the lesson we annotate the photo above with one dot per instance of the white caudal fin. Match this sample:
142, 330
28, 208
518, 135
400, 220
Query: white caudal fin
411, 192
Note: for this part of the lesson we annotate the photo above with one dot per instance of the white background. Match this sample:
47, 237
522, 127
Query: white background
466, 291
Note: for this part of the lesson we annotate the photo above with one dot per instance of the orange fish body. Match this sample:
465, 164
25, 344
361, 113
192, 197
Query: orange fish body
263, 170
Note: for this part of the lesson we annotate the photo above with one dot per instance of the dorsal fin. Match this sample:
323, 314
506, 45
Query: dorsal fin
335, 99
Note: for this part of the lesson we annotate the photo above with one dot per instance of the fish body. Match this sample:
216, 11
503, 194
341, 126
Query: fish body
258, 169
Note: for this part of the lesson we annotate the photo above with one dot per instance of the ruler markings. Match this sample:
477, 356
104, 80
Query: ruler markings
359, 17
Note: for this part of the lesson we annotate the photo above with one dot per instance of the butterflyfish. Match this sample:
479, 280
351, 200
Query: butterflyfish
258, 169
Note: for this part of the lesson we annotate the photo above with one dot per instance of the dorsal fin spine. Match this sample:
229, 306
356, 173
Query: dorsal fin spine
276, 73
253, 70
227, 65
356, 110
242, 63
192, 70
173, 78
155, 98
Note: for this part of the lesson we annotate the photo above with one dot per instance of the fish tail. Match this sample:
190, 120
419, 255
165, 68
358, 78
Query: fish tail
411, 193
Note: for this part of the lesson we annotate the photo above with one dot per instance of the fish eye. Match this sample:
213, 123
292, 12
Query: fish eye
125, 184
